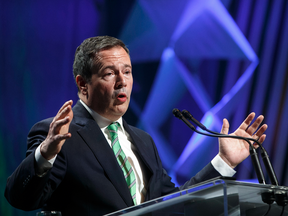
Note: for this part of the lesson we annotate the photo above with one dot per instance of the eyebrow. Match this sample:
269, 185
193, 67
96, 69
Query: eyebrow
113, 67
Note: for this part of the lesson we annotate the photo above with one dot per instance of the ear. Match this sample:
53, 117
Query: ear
82, 85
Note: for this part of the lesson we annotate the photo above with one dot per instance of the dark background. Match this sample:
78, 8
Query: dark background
214, 58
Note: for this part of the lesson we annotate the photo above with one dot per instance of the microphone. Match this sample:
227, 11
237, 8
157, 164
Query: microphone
264, 154
189, 116
253, 153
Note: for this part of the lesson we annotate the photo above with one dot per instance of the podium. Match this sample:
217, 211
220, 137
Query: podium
214, 197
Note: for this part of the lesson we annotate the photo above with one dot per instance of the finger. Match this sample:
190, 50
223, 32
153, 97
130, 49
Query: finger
64, 112
260, 131
225, 126
54, 145
58, 138
67, 103
260, 140
245, 124
57, 124
252, 128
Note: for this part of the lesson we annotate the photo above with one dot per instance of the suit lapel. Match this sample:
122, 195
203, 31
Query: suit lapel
141, 148
94, 138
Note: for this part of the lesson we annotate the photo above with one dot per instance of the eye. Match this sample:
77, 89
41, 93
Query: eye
109, 73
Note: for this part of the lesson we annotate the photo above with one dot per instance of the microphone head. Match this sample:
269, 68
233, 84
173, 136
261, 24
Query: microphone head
186, 114
189, 116
177, 113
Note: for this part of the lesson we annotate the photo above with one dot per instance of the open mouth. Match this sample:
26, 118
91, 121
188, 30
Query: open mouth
122, 97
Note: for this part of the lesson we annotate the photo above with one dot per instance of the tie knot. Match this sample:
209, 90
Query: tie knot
113, 127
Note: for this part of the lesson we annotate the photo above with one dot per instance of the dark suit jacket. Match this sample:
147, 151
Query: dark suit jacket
86, 178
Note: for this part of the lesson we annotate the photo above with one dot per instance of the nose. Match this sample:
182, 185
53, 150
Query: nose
121, 81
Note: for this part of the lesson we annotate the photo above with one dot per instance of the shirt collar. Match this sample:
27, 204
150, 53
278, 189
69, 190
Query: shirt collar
101, 121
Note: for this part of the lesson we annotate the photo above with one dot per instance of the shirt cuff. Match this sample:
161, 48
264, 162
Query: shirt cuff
42, 165
223, 168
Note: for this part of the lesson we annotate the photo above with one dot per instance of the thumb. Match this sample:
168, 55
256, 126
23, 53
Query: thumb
225, 126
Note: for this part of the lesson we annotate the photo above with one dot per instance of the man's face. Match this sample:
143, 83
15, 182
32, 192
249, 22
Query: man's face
110, 88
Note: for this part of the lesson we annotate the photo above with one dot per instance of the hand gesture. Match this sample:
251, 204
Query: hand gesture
58, 132
234, 151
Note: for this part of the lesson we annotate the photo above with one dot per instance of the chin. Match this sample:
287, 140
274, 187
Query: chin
120, 112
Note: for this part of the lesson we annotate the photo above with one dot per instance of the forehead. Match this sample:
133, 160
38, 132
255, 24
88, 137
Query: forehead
113, 55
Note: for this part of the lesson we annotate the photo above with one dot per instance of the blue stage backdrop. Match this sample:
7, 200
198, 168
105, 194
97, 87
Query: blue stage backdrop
214, 58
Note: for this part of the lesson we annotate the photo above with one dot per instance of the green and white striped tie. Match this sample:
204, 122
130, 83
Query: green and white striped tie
122, 160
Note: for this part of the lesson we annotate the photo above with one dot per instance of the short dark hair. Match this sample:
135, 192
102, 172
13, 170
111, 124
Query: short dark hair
87, 51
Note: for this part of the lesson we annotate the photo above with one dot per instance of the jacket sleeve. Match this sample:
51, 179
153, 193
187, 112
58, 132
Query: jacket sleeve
25, 189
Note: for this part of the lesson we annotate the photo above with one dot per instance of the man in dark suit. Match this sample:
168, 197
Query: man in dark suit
83, 177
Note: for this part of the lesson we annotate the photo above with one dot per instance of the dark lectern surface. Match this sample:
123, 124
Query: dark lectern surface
214, 197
